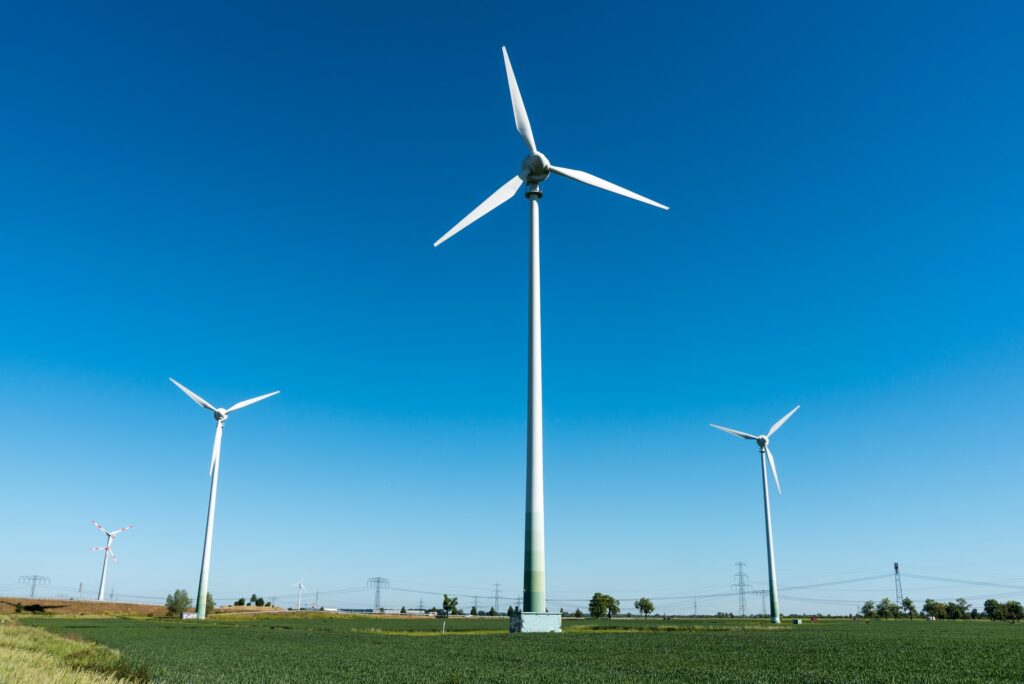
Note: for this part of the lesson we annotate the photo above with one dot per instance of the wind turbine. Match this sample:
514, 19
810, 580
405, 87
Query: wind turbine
301, 586
534, 170
107, 553
766, 457
220, 415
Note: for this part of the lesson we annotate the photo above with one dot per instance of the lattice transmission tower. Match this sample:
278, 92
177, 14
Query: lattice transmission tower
377, 583
741, 586
33, 580
899, 587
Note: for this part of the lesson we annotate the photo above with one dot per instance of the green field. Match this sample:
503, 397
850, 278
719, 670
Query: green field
315, 648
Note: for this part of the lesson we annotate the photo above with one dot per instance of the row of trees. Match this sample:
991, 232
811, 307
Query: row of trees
254, 600
604, 605
951, 610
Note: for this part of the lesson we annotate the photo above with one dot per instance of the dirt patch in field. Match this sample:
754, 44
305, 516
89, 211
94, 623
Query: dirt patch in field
39, 606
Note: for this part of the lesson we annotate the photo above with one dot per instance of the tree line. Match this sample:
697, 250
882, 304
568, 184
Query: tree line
959, 609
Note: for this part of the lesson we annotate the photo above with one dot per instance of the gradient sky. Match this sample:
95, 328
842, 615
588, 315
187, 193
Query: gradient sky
245, 198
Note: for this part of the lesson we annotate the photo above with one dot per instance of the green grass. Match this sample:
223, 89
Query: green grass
29, 655
312, 648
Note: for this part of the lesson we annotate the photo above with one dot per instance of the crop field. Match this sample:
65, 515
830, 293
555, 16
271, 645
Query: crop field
314, 648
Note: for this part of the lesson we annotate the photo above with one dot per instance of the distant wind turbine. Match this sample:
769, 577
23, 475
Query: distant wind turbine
534, 170
301, 586
220, 415
107, 553
766, 457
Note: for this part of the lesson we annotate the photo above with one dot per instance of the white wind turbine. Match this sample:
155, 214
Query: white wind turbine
534, 170
301, 586
766, 457
107, 553
220, 415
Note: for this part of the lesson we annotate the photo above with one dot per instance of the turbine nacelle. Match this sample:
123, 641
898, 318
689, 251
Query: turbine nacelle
220, 415
535, 168
762, 441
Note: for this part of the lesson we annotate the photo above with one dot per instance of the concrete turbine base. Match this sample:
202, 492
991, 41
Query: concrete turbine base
535, 623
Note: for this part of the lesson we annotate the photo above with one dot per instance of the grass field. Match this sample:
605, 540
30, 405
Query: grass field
315, 648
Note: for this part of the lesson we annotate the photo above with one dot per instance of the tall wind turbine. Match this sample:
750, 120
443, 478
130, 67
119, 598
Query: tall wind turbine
301, 586
220, 415
534, 170
107, 553
766, 457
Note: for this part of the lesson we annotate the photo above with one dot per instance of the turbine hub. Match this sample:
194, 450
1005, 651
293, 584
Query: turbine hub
535, 168
220, 414
762, 441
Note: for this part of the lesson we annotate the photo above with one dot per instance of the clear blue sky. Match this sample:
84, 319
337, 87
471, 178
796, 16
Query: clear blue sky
245, 199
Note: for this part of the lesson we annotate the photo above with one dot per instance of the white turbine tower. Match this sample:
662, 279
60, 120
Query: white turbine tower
534, 170
220, 415
301, 586
107, 553
766, 457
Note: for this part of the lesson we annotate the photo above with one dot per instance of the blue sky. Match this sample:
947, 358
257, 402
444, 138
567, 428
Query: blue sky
246, 201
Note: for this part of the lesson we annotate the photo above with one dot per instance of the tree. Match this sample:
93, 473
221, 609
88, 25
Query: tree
511, 611
252, 600
868, 610
178, 602
1014, 611
645, 606
209, 603
909, 608
472, 611
935, 609
492, 612
240, 602
450, 604
963, 608
259, 601
402, 611
602, 604
578, 613
887, 609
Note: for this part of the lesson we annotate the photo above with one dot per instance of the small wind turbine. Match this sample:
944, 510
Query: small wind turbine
766, 456
107, 553
534, 170
220, 415
301, 586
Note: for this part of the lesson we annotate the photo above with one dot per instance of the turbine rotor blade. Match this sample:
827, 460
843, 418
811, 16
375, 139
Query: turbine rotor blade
500, 196
99, 527
518, 108
123, 529
782, 420
98, 548
192, 395
248, 402
590, 179
744, 435
771, 462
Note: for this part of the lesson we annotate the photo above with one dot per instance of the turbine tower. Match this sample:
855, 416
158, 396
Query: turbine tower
220, 415
534, 170
301, 586
107, 553
767, 458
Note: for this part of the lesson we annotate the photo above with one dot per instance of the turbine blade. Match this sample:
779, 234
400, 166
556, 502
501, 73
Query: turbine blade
781, 421
98, 548
192, 395
590, 179
123, 529
248, 402
500, 196
771, 462
113, 556
99, 527
518, 108
744, 435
